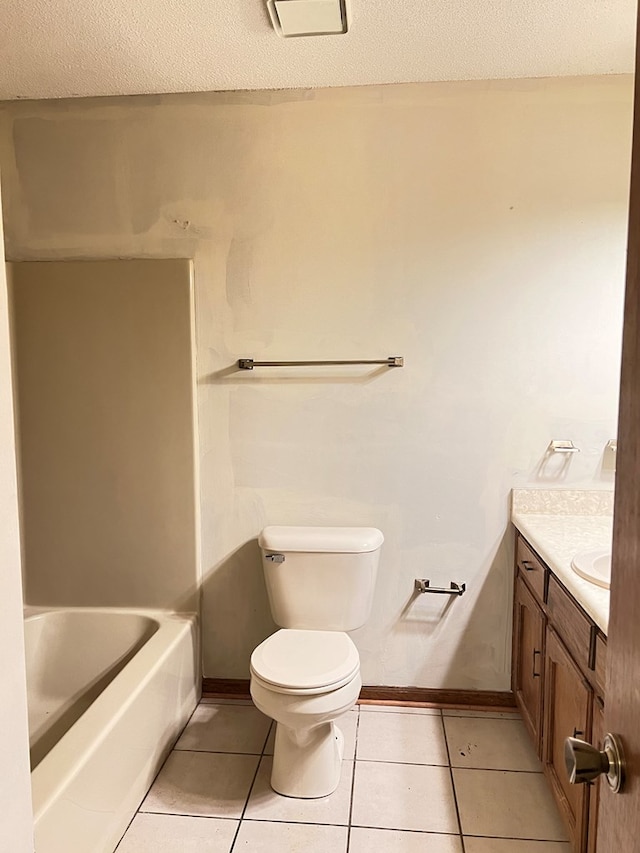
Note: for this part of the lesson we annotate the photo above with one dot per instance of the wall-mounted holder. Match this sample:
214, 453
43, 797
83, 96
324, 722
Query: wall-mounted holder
424, 585
609, 457
562, 446
391, 361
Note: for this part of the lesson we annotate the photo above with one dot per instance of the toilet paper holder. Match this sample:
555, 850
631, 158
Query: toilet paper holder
424, 585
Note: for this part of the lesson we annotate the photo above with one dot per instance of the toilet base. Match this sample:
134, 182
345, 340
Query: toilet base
307, 763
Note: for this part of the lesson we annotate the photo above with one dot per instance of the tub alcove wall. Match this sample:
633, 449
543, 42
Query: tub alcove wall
104, 379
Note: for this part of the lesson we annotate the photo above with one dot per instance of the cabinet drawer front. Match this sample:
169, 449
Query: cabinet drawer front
572, 624
531, 569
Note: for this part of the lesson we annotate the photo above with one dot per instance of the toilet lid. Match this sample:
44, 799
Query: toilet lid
306, 660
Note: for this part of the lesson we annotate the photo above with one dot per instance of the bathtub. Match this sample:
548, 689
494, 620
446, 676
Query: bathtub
109, 691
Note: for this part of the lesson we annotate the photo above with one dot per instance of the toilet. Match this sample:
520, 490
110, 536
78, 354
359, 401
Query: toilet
320, 582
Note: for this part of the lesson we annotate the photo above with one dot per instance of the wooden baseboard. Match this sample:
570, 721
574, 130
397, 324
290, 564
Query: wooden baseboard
429, 696
229, 688
238, 688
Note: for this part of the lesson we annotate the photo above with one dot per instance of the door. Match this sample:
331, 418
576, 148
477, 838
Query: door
597, 738
619, 822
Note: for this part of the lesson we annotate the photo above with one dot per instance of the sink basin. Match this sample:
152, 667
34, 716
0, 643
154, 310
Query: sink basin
594, 566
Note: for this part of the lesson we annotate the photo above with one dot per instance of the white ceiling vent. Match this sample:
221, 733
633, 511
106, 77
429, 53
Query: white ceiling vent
308, 17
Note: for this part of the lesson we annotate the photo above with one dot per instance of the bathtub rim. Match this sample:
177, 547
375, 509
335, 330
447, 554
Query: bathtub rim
84, 738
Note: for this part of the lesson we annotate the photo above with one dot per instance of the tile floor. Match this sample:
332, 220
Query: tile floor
413, 781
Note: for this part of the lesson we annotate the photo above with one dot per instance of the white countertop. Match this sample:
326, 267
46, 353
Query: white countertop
558, 536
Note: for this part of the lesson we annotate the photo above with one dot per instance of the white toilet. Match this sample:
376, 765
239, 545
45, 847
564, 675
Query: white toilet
320, 582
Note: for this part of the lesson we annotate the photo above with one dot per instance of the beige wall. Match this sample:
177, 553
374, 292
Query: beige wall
15, 785
476, 229
103, 371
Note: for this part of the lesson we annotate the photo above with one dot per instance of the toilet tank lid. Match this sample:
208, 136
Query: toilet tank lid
328, 540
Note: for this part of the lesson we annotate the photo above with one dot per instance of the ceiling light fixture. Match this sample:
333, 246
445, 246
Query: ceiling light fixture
291, 18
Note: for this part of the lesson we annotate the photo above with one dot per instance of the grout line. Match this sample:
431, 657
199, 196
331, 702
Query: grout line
168, 755
362, 826
453, 786
266, 740
137, 812
497, 770
262, 754
412, 831
353, 783
194, 816
220, 751
288, 822
246, 803
408, 763
408, 712
514, 838
401, 709
357, 825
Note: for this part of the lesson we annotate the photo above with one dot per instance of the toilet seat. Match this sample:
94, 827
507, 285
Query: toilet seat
305, 662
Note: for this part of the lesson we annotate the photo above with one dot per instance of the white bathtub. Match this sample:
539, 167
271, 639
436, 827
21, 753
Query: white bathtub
109, 691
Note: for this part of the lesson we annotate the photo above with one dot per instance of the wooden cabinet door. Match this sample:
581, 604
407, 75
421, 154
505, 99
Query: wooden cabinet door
528, 660
567, 711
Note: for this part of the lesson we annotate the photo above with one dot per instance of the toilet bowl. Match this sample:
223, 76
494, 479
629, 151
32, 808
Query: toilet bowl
305, 681
320, 582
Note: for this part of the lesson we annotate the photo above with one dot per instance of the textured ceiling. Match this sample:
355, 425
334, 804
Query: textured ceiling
65, 48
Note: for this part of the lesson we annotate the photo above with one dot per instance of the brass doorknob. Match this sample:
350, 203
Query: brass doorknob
584, 762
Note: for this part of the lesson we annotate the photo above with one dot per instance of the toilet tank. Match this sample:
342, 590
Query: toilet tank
320, 578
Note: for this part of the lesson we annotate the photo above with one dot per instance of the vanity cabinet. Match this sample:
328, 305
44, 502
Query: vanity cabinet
559, 658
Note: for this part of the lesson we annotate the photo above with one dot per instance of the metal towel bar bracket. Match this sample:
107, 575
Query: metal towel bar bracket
249, 363
423, 585
562, 446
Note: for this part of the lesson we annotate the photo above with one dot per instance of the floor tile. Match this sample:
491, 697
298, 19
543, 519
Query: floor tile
497, 715
348, 725
265, 804
395, 841
264, 837
400, 709
399, 806
202, 783
493, 744
404, 796
507, 805
225, 728
159, 833
509, 845
402, 738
